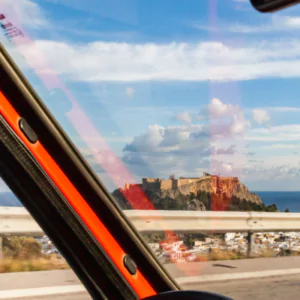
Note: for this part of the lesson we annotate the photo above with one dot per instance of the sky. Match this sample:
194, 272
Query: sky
168, 87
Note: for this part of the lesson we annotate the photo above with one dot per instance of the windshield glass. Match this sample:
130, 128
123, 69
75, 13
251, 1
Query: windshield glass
180, 106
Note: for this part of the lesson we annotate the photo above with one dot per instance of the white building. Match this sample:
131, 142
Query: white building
229, 236
172, 255
154, 246
198, 243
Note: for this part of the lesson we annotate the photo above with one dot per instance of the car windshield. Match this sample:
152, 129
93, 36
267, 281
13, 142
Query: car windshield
187, 111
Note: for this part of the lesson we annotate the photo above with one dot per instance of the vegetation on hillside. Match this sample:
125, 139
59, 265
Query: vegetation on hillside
178, 201
22, 254
187, 238
26, 265
21, 247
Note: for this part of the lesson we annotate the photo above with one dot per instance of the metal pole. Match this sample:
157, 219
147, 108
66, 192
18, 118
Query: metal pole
1, 248
250, 239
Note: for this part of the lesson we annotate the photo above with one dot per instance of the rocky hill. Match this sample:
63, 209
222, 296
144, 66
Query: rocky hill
177, 193
218, 185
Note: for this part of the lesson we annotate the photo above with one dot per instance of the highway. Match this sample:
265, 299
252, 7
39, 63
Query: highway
211, 268
259, 287
12, 285
274, 288
271, 288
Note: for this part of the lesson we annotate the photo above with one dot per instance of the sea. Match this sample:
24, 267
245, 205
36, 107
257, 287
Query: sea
283, 200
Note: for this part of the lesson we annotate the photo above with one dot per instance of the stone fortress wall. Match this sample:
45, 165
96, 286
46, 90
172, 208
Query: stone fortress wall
209, 183
165, 184
157, 184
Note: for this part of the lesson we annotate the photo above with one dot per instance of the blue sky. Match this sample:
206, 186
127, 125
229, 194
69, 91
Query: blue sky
173, 86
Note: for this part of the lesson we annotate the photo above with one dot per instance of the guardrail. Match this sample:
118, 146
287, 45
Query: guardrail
213, 221
17, 221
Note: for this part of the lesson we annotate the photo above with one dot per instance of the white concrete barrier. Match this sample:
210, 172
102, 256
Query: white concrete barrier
17, 221
213, 221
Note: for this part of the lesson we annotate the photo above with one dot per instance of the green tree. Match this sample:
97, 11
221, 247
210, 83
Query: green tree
192, 196
248, 206
271, 208
176, 204
287, 210
166, 203
21, 247
11, 246
121, 199
204, 198
189, 242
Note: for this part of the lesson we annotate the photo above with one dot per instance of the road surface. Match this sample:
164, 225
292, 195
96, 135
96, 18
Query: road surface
268, 288
80, 296
232, 266
276, 288
23, 280
272, 288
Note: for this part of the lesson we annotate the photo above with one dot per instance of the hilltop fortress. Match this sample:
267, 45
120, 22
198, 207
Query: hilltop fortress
184, 184
212, 184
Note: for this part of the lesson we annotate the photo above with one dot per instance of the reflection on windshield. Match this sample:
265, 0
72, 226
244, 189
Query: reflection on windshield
178, 108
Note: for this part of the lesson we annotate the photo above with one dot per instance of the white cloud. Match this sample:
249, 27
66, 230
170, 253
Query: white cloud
107, 61
217, 147
281, 22
291, 22
130, 91
189, 148
242, 28
272, 24
3, 187
232, 149
23, 12
230, 167
218, 109
260, 116
277, 23
223, 168
289, 132
280, 146
270, 173
239, 124
178, 141
184, 116
283, 109
149, 140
